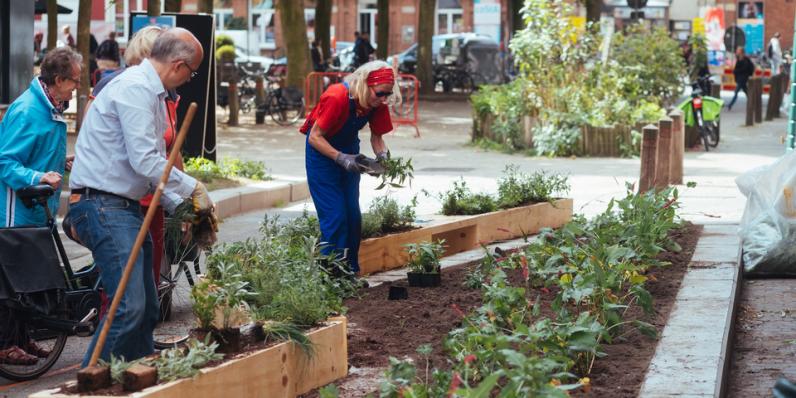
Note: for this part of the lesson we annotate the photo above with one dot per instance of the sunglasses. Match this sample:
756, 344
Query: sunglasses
382, 94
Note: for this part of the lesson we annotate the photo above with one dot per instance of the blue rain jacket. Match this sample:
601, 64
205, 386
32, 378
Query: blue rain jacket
32, 142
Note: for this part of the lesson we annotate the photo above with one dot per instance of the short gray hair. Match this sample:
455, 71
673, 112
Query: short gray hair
172, 46
58, 62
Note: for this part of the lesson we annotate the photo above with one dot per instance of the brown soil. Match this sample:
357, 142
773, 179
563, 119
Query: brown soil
380, 328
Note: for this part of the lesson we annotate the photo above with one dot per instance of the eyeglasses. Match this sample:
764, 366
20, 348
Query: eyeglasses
193, 72
77, 81
382, 94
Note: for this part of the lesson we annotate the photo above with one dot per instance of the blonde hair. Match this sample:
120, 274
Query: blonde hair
141, 44
358, 83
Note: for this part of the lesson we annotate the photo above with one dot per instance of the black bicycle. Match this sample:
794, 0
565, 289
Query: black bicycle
453, 79
47, 300
284, 104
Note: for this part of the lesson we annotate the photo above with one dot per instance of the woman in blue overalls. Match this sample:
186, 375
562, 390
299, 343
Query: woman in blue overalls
332, 149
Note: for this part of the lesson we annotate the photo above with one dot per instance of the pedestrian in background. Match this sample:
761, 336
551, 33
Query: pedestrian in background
744, 69
108, 53
774, 52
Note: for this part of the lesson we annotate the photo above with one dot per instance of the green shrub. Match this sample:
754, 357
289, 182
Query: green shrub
459, 200
206, 170
225, 53
385, 215
202, 169
224, 40
518, 189
548, 140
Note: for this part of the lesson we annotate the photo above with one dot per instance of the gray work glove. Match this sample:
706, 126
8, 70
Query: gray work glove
371, 166
383, 155
349, 162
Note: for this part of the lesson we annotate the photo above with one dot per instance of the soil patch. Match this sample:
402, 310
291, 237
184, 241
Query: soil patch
380, 328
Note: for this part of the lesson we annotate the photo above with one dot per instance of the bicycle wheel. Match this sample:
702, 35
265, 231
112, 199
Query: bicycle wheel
713, 134
286, 113
47, 339
176, 318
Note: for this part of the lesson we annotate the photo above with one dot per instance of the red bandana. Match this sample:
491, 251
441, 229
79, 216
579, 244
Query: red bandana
381, 76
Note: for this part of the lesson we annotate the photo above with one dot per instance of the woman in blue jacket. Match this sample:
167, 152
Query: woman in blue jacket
33, 151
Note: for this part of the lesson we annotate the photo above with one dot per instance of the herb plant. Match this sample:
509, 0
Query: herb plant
396, 172
459, 200
424, 256
516, 188
385, 216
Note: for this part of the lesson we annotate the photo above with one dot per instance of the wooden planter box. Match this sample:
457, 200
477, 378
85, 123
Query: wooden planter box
462, 233
275, 372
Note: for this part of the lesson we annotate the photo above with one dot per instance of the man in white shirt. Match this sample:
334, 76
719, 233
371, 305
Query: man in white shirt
119, 158
775, 53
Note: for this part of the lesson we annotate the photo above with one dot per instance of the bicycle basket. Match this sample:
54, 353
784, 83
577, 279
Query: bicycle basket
31, 278
711, 110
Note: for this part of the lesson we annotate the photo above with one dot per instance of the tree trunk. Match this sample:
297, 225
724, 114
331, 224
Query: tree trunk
323, 21
425, 30
383, 29
153, 8
52, 24
594, 9
172, 5
517, 22
294, 29
83, 41
204, 6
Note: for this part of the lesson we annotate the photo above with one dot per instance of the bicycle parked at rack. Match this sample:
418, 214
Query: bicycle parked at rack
285, 105
50, 300
453, 79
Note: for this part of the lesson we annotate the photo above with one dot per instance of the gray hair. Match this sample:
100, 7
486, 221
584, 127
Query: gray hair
172, 46
59, 62
141, 44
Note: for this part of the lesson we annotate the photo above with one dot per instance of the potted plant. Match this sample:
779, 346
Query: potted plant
424, 266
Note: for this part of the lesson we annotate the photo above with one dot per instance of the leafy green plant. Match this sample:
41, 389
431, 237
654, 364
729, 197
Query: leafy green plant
396, 172
284, 331
118, 366
202, 169
178, 363
424, 256
385, 216
550, 140
206, 170
459, 200
517, 189
204, 303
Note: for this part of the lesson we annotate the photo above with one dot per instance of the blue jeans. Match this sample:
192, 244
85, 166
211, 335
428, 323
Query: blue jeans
108, 225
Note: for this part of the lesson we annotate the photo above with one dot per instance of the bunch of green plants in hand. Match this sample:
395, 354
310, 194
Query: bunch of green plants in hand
424, 256
386, 216
595, 269
397, 172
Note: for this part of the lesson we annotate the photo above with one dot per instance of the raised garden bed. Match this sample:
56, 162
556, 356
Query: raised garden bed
281, 370
385, 328
463, 233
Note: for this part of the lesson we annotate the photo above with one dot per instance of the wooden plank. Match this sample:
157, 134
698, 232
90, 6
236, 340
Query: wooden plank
464, 233
281, 371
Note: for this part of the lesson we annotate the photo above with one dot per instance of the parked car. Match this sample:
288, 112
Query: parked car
241, 57
407, 60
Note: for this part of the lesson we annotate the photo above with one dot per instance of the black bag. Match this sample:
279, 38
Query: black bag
31, 278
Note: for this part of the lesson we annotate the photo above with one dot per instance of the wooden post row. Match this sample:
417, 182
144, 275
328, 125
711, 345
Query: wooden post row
678, 147
773, 94
664, 150
649, 152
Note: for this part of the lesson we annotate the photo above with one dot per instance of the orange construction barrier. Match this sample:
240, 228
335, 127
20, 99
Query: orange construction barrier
404, 113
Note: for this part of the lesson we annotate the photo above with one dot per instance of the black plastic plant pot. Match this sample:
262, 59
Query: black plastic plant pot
422, 279
398, 293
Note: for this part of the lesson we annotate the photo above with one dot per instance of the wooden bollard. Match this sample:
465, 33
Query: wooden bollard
649, 152
750, 106
93, 378
758, 100
234, 105
259, 99
664, 153
773, 93
139, 377
678, 147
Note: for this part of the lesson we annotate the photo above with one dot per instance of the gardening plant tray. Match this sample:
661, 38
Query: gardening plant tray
282, 370
462, 233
